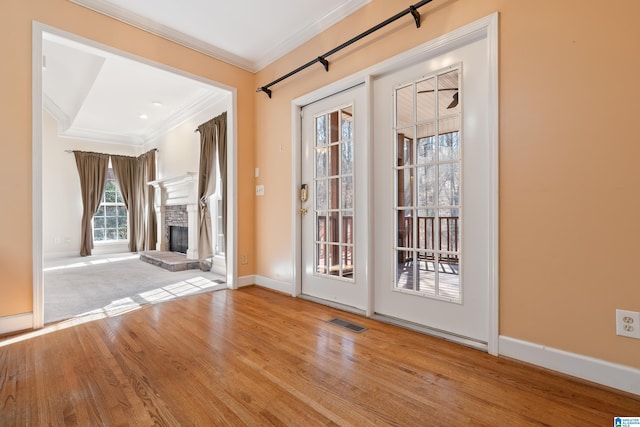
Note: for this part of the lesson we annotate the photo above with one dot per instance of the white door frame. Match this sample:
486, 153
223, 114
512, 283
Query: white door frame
38, 30
486, 27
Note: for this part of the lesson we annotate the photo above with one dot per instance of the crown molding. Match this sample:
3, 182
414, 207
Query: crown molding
165, 32
303, 36
52, 108
184, 114
278, 51
101, 136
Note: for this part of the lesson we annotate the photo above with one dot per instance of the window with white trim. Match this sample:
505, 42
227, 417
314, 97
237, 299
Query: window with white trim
110, 223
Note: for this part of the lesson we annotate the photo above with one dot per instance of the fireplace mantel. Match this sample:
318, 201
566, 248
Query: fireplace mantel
175, 191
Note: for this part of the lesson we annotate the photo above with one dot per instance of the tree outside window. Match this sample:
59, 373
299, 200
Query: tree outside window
110, 223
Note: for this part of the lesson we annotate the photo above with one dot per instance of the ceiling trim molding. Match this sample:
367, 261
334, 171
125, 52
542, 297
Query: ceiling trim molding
165, 32
102, 136
61, 117
278, 51
303, 36
184, 114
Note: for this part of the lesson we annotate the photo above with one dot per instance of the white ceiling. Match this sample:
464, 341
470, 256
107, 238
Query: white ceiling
98, 95
248, 33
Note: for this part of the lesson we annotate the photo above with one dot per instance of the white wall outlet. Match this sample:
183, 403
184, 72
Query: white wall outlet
243, 259
628, 323
259, 190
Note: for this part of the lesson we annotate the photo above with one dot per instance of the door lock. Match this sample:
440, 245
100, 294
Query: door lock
303, 211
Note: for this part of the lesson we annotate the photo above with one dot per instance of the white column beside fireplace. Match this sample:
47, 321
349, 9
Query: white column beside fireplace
177, 191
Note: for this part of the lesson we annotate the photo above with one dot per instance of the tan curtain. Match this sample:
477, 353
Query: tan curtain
222, 163
125, 169
147, 167
92, 169
133, 175
211, 134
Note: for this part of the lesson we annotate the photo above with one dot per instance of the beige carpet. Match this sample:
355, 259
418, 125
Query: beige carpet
112, 284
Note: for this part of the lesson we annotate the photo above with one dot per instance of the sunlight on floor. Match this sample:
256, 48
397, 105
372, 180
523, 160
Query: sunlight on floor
125, 305
94, 262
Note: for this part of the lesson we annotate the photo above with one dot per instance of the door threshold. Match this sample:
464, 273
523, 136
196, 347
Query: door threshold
438, 333
333, 304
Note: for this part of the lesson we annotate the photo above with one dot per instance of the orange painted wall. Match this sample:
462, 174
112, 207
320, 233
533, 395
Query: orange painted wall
569, 180
16, 18
568, 150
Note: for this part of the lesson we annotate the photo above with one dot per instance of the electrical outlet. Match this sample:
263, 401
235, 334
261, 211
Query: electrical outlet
260, 190
628, 323
243, 259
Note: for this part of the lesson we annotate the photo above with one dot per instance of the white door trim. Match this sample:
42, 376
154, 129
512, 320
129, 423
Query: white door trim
36, 164
486, 27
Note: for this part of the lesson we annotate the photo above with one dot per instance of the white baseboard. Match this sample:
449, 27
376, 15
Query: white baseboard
274, 285
599, 371
246, 280
17, 322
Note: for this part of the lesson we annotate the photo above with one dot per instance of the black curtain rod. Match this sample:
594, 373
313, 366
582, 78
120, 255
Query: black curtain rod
413, 10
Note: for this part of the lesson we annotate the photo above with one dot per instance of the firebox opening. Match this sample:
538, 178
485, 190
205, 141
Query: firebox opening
178, 239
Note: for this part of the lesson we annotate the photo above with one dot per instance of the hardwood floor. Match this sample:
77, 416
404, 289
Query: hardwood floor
255, 357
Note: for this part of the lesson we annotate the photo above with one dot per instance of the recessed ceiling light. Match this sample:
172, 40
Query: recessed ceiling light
143, 116
157, 103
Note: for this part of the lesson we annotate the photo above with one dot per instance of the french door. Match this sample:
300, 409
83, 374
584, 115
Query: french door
432, 185
333, 205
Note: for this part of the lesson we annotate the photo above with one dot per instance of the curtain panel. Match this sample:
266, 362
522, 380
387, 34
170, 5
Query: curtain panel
92, 170
213, 138
133, 175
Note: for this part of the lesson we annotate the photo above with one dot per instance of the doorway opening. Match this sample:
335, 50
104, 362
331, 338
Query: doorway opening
53, 139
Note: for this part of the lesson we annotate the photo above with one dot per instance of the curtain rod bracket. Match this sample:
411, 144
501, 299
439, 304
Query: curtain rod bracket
416, 15
264, 89
324, 62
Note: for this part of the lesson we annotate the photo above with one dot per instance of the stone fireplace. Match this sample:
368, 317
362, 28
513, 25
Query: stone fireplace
176, 202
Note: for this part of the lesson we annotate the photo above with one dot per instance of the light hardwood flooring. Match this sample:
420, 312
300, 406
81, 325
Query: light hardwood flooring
258, 358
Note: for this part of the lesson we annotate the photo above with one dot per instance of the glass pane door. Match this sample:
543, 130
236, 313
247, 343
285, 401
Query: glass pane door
334, 193
428, 187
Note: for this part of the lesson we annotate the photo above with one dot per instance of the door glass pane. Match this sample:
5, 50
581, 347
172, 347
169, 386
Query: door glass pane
426, 229
428, 186
426, 150
347, 123
347, 227
321, 130
449, 184
405, 270
405, 228
448, 93
404, 106
321, 258
321, 228
321, 162
347, 158
334, 260
426, 99
347, 192
321, 195
405, 188
335, 193
448, 139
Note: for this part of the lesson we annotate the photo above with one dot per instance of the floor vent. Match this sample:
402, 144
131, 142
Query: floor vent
347, 325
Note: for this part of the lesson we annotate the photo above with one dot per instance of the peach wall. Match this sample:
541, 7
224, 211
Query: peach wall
568, 157
16, 18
